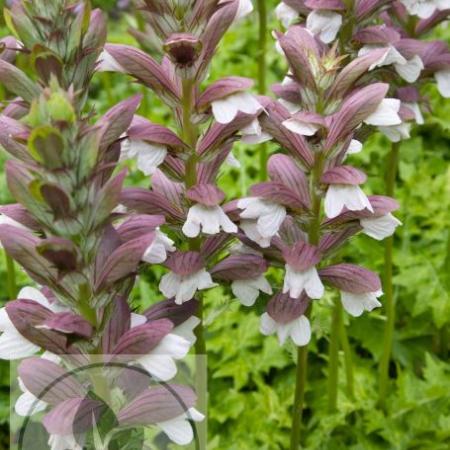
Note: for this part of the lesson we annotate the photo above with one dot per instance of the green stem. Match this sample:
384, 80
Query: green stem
190, 135
333, 359
392, 166
302, 352
345, 345
11, 277
262, 72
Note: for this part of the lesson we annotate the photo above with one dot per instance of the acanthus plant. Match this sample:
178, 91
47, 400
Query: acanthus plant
69, 236
409, 60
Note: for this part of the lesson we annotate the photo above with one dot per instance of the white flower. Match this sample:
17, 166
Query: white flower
424, 8
12, 344
301, 127
326, 24
253, 134
156, 252
184, 287
186, 329
296, 281
268, 215
411, 69
290, 106
386, 114
160, 362
179, 429
149, 156
6, 220
247, 291
59, 442
417, 112
106, 63
443, 82
299, 330
380, 227
356, 304
28, 404
208, 219
396, 133
285, 14
339, 196
226, 109
354, 147
250, 228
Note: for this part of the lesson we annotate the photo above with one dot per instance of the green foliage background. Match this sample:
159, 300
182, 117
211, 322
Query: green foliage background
251, 379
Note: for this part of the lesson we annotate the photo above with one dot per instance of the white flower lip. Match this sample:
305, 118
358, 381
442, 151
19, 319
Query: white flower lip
325, 24
340, 196
356, 304
226, 109
380, 228
208, 219
308, 280
183, 288
299, 330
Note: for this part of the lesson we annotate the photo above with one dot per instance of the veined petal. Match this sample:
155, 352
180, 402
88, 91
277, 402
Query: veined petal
380, 228
106, 63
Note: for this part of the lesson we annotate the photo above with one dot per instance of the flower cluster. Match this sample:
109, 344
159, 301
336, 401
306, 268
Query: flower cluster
68, 234
184, 165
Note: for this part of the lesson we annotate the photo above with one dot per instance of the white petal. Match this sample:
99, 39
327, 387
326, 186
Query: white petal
186, 329
270, 222
5, 322
244, 292
31, 293
417, 112
356, 304
326, 24
354, 147
386, 114
58, 442
283, 331
290, 106
267, 326
226, 109
301, 331
396, 133
299, 127
27, 405
161, 367
172, 345
210, 218
193, 414
313, 285
14, 346
137, 319
156, 252
106, 63
204, 280
178, 430
285, 14
250, 228
443, 82
351, 196
410, 71
149, 156
170, 284
5, 220
380, 227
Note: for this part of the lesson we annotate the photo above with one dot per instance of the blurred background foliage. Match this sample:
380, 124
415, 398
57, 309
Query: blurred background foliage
251, 379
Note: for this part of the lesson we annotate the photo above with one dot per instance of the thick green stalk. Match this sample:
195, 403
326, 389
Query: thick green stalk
391, 167
333, 358
190, 135
302, 352
11, 277
345, 345
262, 73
